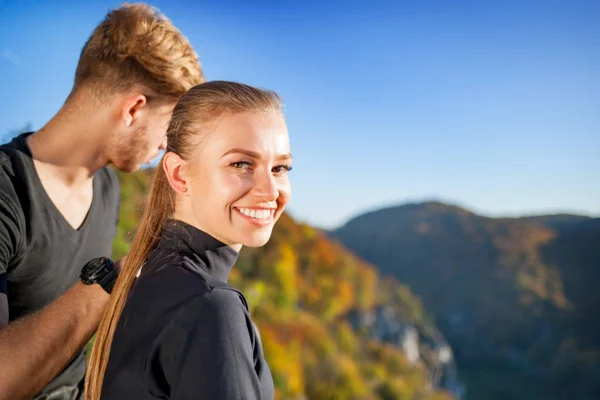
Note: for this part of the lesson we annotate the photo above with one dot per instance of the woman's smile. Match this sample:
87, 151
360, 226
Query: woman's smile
257, 216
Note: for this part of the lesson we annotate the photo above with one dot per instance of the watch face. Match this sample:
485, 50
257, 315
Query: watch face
93, 265
96, 266
101, 271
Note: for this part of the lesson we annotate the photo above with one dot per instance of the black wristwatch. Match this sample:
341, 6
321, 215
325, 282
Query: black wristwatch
101, 271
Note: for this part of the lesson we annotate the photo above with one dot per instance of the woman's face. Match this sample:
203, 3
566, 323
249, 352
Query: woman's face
237, 183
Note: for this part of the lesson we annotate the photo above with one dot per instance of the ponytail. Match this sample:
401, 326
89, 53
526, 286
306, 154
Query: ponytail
158, 208
198, 107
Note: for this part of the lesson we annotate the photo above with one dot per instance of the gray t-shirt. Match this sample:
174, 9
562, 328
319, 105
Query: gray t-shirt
41, 254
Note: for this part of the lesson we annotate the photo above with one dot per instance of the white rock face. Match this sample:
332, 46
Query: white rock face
381, 323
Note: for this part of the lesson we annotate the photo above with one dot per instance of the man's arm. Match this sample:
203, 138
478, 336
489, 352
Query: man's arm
37, 347
3, 310
3, 301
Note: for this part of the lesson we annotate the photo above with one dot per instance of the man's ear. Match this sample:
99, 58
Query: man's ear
175, 168
132, 108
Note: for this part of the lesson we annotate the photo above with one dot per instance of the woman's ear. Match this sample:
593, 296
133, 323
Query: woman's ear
175, 169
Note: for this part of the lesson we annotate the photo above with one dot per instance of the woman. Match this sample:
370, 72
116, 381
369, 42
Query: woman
179, 331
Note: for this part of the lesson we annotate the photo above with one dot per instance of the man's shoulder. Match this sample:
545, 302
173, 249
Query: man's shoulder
12, 156
6, 166
15, 145
109, 175
12, 170
7, 157
13, 192
109, 185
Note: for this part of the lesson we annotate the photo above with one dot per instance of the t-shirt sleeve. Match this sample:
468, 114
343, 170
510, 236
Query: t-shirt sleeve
10, 236
208, 350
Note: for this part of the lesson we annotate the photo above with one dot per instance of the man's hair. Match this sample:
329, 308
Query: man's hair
137, 46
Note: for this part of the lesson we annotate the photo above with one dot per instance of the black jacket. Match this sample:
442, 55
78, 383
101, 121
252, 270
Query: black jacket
184, 332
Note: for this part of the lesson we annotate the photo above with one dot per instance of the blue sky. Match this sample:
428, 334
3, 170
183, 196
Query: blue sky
492, 105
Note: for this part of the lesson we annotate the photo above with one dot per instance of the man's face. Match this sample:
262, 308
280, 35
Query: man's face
143, 141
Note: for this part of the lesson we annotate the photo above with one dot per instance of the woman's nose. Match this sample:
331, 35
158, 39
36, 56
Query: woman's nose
266, 187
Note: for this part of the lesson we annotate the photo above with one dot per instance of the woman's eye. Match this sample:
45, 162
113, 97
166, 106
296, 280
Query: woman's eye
241, 165
282, 169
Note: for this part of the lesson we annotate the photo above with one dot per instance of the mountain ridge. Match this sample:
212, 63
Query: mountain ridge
543, 217
505, 291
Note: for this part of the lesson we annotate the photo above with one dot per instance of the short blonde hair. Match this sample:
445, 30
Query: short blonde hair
137, 46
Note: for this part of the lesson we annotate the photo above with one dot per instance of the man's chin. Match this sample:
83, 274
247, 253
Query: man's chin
128, 167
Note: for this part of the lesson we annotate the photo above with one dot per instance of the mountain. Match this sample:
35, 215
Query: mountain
515, 297
557, 221
331, 326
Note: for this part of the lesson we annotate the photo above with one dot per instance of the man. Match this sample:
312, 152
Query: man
59, 201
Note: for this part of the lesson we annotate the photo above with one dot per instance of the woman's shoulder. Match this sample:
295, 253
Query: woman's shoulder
212, 333
173, 278
218, 312
170, 267
167, 283
223, 305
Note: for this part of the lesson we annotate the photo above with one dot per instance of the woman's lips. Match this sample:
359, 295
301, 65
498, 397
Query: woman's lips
257, 216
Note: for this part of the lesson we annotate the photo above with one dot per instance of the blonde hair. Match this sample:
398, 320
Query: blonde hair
137, 46
197, 108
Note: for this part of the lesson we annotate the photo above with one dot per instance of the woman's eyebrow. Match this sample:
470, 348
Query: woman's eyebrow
256, 155
285, 156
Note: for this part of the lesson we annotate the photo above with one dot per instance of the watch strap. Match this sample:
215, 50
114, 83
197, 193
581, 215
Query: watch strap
108, 281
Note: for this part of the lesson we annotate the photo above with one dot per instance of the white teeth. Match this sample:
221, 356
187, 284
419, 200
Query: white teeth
258, 214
